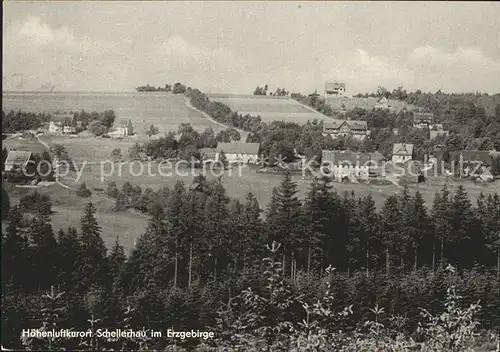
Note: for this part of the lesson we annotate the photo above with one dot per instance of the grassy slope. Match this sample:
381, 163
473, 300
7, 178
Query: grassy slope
68, 210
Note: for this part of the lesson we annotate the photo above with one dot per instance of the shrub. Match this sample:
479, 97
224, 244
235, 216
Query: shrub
83, 191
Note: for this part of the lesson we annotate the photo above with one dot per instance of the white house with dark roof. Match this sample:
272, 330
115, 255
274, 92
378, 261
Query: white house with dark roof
402, 152
334, 89
62, 123
17, 158
352, 165
124, 128
346, 128
247, 153
423, 119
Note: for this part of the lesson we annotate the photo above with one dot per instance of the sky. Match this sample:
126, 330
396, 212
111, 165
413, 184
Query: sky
232, 47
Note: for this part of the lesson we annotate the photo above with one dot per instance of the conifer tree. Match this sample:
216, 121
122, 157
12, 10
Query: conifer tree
70, 258
286, 220
391, 227
441, 221
14, 247
418, 225
93, 267
369, 227
43, 250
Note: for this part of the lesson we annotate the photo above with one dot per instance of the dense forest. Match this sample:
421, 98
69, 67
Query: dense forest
327, 272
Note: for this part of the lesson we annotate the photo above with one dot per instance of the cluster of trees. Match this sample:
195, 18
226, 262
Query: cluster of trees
98, 123
148, 88
22, 121
177, 88
182, 145
280, 92
202, 248
261, 90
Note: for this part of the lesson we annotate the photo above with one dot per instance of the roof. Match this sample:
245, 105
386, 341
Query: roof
336, 157
402, 149
208, 152
485, 157
334, 85
17, 157
423, 116
238, 148
383, 100
61, 117
354, 124
434, 134
125, 123
377, 156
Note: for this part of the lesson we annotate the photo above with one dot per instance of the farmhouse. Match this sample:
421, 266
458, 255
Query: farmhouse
125, 128
207, 153
423, 119
238, 152
346, 128
334, 89
351, 165
17, 158
433, 134
402, 152
382, 104
62, 123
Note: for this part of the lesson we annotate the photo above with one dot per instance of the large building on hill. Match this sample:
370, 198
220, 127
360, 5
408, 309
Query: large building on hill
333, 89
238, 152
401, 153
423, 119
346, 128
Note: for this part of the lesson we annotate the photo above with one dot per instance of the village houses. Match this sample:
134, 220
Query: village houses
62, 124
382, 104
247, 153
401, 153
346, 128
346, 164
474, 163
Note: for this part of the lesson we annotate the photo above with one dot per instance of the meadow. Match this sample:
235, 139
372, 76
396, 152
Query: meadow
165, 111
261, 184
269, 108
68, 209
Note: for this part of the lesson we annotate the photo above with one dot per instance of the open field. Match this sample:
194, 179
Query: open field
348, 103
261, 184
20, 143
68, 210
90, 149
269, 108
166, 111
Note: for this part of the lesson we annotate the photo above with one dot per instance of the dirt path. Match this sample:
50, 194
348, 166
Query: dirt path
243, 133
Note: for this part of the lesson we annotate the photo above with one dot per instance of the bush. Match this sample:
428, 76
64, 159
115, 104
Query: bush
83, 191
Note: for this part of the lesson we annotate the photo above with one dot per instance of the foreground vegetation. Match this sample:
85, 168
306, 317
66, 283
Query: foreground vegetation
336, 274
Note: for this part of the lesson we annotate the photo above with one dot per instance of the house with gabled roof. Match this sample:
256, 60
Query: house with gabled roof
238, 152
423, 119
124, 128
346, 128
402, 152
351, 165
334, 89
17, 159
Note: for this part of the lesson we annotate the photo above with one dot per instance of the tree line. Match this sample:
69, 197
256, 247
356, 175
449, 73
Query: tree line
201, 247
